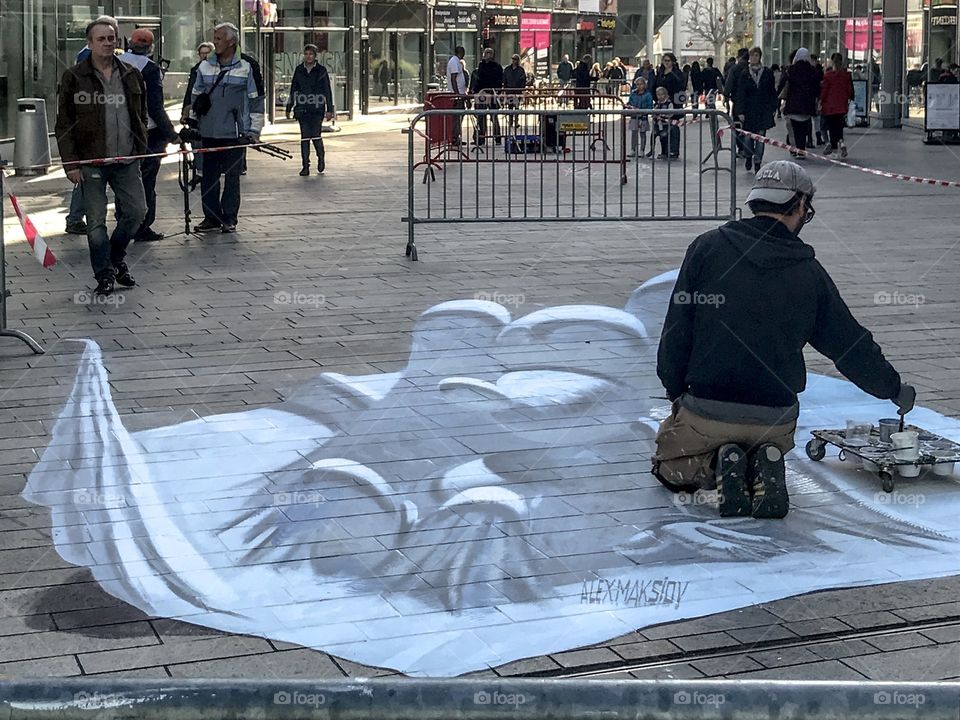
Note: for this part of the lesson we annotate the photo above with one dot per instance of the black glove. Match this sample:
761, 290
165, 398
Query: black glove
905, 399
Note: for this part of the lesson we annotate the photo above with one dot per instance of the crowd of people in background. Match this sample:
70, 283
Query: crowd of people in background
815, 100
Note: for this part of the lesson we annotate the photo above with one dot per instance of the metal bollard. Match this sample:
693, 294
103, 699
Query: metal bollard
31, 153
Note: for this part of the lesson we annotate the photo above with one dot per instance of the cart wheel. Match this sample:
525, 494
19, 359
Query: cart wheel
886, 481
815, 449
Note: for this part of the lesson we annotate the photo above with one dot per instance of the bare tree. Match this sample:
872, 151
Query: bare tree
718, 22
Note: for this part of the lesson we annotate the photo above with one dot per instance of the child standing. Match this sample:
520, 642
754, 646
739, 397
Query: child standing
640, 99
664, 128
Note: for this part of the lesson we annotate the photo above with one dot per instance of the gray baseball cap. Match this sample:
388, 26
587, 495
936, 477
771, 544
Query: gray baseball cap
779, 181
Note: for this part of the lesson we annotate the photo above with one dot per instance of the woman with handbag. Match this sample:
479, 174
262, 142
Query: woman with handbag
311, 101
835, 97
800, 93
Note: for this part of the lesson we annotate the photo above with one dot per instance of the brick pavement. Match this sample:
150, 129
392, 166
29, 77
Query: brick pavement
203, 334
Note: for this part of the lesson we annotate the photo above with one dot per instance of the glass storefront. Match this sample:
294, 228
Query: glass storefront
41, 39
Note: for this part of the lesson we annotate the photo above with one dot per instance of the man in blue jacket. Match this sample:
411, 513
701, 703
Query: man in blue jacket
749, 296
159, 128
229, 106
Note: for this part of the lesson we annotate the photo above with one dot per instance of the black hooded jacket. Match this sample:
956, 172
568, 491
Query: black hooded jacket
749, 297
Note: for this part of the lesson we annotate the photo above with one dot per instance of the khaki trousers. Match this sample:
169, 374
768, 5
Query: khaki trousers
687, 444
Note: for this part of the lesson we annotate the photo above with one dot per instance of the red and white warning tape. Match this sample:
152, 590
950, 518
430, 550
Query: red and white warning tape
40, 250
826, 158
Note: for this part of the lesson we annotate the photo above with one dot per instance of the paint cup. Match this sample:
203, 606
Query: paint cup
858, 433
908, 439
944, 469
888, 426
910, 471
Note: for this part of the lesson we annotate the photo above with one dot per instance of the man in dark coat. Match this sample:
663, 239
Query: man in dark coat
487, 82
712, 83
731, 80
756, 103
311, 102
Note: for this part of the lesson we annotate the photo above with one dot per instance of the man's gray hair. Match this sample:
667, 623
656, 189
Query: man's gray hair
234, 31
104, 20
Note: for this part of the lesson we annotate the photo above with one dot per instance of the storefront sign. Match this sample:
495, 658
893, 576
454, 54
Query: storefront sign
943, 16
855, 36
589, 6
534, 31
943, 107
455, 18
504, 21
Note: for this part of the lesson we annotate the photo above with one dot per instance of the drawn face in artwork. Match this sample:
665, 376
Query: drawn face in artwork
488, 502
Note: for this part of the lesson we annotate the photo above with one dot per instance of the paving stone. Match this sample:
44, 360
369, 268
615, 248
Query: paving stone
49, 644
938, 662
289, 664
832, 670
726, 666
62, 666
576, 658
899, 641
943, 635
761, 634
645, 649
527, 666
679, 671
861, 621
841, 649
706, 641
156, 655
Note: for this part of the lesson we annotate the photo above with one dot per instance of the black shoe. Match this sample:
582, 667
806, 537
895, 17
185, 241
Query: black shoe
671, 486
819, 139
76, 228
228, 227
768, 482
321, 163
123, 276
148, 235
304, 171
104, 287
749, 164
734, 498
207, 226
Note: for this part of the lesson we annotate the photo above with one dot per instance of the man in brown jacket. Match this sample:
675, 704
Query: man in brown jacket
101, 113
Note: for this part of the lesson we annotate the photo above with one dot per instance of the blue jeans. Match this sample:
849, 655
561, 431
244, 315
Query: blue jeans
755, 147
124, 179
75, 214
224, 208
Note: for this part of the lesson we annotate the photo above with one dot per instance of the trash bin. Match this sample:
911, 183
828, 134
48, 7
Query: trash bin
31, 152
442, 129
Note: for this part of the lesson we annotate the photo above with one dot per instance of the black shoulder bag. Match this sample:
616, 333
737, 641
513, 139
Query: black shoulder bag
202, 103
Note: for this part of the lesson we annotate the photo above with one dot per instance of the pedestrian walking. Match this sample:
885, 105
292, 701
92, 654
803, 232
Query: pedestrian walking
835, 96
160, 132
564, 71
488, 83
696, 83
457, 83
310, 100
582, 78
383, 79
730, 83
102, 113
733, 367
514, 82
756, 104
639, 125
712, 84
800, 92
75, 224
229, 107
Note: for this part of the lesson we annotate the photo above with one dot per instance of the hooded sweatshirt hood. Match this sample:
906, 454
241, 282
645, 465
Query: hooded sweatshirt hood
766, 242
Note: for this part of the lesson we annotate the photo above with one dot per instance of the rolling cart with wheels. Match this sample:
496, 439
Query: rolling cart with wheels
934, 450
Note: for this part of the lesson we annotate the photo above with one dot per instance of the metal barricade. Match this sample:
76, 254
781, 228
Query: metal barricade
565, 165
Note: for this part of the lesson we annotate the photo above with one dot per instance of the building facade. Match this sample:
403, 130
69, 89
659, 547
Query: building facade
893, 47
